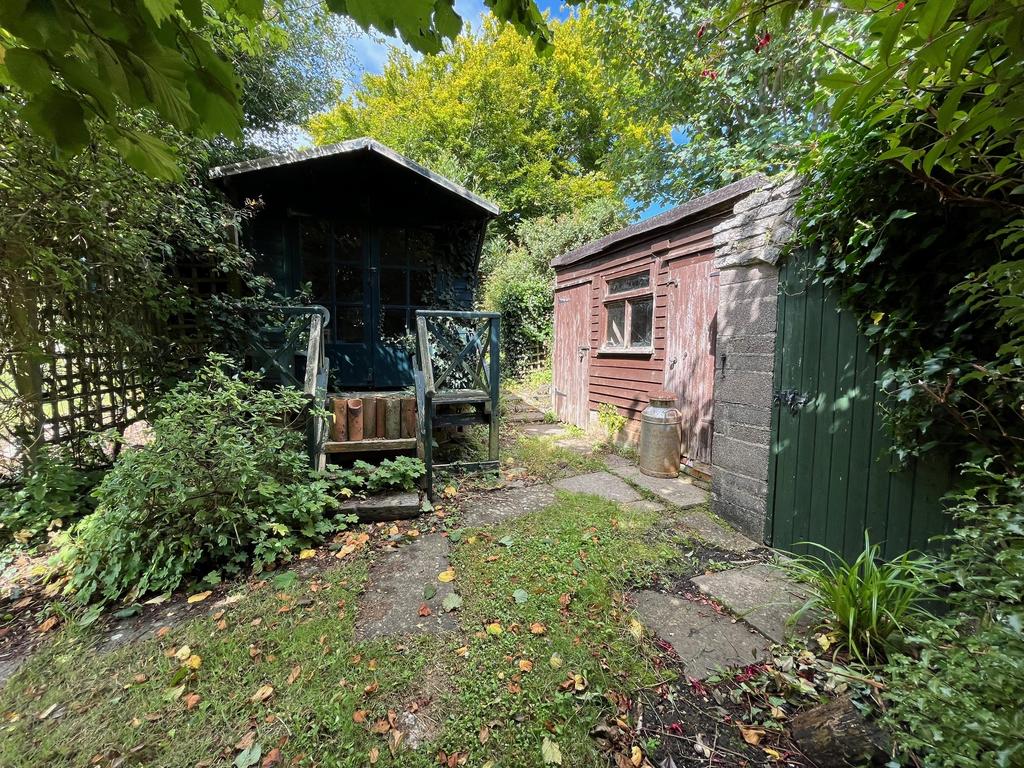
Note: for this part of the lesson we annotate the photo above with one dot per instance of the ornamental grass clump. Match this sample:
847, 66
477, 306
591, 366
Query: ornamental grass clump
224, 485
869, 603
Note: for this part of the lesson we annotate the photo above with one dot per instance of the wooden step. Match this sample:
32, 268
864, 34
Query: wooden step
376, 444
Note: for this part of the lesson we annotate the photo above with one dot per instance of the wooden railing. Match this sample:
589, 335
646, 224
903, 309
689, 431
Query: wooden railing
276, 349
457, 365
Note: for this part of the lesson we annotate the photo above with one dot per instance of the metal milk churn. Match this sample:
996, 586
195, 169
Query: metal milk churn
660, 436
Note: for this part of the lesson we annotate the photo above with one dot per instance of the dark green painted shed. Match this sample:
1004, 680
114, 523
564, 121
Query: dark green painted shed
370, 235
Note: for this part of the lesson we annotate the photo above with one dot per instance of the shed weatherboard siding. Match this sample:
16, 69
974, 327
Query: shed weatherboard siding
626, 380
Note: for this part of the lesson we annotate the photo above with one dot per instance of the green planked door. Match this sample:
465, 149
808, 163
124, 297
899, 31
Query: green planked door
831, 475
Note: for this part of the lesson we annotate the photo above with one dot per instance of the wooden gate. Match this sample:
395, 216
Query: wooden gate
832, 476
692, 307
571, 374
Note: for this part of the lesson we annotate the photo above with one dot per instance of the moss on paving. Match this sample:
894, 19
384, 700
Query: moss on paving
129, 703
541, 457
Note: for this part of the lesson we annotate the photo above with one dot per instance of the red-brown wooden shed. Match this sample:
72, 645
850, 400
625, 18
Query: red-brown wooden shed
635, 312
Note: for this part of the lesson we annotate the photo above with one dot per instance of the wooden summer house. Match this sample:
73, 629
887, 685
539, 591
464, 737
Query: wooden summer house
370, 235
636, 312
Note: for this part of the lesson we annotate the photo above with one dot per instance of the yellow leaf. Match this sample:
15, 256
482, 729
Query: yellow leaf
183, 653
494, 629
637, 756
462, 651
374, 755
200, 596
306, 554
774, 754
636, 629
876, 317
450, 491
446, 576
537, 628
555, 662
194, 661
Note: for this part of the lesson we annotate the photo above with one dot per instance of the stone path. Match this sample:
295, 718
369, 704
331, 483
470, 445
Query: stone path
395, 591
762, 595
677, 491
493, 507
603, 484
703, 639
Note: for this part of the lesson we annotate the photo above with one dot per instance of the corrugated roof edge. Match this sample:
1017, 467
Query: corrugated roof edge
352, 145
662, 220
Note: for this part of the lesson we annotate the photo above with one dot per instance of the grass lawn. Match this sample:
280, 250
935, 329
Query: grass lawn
544, 651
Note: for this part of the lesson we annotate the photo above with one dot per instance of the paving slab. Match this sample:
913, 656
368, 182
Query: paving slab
707, 528
703, 639
394, 593
493, 507
645, 505
603, 484
678, 491
762, 595
541, 430
613, 461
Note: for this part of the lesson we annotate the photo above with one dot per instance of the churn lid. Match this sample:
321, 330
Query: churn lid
663, 397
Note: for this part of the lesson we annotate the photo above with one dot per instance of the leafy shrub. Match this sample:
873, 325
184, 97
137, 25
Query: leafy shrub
955, 693
49, 496
399, 473
608, 416
224, 483
868, 602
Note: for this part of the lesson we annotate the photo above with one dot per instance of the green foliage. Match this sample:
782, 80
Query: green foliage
739, 102
534, 134
50, 496
223, 483
72, 64
608, 416
869, 603
540, 457
399, 473
519, 280
952, 693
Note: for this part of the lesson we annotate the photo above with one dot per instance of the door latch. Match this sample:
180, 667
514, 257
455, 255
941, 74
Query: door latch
583, 352
791, 398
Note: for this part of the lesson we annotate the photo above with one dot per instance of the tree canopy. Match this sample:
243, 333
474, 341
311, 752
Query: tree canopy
75, 62
537, 134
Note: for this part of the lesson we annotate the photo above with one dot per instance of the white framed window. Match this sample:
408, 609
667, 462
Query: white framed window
629, 313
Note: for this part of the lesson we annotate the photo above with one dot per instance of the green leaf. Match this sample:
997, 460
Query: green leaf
520, 596
58, 116
285, 580
160, 10
28, 69
429, 591
248, 757
148, 154
452, 602
934, 14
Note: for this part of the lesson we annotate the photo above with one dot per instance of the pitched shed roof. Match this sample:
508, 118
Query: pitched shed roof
664, 220
362, 145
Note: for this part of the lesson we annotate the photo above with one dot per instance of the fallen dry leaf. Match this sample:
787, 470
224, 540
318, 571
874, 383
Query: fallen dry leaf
525, 665
462, 650
294, 674
380, 727
192, 700
306, 554
272, 759
537, 628
25, 602
484, 734
218, 615
374, 755
446, 575
359, 716
49, 624
183, 653
222, 625
425, 610
246, 741
194, 661
263, 693
140, 678
371, 688
750, 735
162, 632
199, 596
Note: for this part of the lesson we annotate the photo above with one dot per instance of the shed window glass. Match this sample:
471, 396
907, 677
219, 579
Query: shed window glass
629, 312
616, 324
629, 283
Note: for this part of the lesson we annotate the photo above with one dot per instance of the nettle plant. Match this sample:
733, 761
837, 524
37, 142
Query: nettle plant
224, 485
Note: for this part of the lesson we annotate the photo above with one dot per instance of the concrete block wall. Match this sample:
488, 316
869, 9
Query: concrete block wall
747, 249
